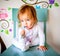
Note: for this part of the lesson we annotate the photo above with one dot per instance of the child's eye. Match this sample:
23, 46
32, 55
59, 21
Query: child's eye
21, 20
28, 19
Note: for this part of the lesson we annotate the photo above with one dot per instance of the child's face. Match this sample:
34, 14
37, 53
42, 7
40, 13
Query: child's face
26, 21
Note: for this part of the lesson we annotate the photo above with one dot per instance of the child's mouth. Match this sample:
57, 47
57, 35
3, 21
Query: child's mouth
26, 27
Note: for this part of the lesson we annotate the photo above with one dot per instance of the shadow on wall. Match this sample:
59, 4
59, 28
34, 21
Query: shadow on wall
51, 42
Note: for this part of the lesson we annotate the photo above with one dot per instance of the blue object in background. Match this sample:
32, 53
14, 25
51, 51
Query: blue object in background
37, 6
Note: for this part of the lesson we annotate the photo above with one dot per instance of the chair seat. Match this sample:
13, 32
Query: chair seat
13, 51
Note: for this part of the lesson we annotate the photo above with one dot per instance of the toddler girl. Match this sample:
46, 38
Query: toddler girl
30, 32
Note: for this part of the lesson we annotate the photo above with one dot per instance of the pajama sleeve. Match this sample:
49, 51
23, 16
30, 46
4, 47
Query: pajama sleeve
19, 37
41, 36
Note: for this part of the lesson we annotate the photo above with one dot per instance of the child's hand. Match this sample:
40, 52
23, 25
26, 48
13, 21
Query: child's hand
22, 33
43, 48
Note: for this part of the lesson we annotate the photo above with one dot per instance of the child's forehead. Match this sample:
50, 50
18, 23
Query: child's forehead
26, 14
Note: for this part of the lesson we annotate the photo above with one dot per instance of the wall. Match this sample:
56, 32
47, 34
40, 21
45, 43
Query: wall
53, 32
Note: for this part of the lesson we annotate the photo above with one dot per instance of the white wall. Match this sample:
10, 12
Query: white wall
53, 24
11, 3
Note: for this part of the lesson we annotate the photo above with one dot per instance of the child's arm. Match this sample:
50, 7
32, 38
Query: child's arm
42, 40
21, 32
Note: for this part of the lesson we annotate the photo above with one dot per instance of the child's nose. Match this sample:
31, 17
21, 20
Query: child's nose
25, 23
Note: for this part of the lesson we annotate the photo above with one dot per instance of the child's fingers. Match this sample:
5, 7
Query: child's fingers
22, 32
42, 48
